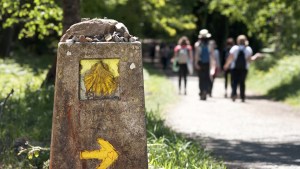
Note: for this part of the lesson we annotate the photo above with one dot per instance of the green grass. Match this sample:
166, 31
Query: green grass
278, 79
29, 109
159, 92
169, 150
27, 114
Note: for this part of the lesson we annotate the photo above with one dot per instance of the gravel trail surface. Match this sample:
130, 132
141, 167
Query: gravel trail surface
258, 134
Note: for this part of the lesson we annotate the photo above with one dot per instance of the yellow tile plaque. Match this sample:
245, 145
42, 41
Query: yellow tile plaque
99, 79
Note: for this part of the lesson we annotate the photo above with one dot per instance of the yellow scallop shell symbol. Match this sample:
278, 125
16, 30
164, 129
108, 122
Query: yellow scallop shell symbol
99, 80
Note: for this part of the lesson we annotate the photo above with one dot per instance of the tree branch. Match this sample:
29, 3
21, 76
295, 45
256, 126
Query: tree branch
3, 103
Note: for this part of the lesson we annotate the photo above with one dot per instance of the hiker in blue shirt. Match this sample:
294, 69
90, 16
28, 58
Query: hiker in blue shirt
204, 62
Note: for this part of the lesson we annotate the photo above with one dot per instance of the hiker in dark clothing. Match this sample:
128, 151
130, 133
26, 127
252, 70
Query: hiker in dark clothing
238, 61
225, 54
204, 61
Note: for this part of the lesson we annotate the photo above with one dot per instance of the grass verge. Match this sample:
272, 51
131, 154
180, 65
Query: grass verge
279, 80
27, 113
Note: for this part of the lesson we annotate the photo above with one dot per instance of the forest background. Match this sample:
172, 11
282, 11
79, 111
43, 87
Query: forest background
30, 31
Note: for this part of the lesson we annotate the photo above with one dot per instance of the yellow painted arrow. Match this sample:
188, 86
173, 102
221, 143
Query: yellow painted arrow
107, 154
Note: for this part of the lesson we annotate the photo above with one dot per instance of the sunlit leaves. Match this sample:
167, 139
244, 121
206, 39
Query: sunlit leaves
265, 19
41, 17
167, 17
170, 16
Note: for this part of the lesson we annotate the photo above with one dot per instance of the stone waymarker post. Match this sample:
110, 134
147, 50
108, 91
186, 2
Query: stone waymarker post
99, 118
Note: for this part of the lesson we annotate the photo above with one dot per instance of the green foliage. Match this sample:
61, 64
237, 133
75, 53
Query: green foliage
169, 15
274, 22
27, 113
36, 156
26, 156
279, 79
167, 149
41, 17
145, 17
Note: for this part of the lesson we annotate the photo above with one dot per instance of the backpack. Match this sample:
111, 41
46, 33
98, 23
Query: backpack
240, 62
183, 55
204, 54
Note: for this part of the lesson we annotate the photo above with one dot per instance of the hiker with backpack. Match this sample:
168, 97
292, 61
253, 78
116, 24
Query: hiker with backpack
204, 62
183, 55
238, 61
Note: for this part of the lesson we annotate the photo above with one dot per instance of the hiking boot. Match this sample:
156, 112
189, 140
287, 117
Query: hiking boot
233, 98
203, 96
243, 100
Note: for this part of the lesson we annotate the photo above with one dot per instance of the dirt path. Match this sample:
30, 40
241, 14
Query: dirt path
255, 134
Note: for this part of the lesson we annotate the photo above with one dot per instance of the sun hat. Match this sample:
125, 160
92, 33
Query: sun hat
203, 33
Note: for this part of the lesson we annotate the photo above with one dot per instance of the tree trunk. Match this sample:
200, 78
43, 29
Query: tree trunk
71, 15
5, 41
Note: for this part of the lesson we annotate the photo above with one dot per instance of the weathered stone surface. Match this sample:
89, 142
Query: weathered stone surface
104, 30
90, 28
77, 124
82, 38
121, 28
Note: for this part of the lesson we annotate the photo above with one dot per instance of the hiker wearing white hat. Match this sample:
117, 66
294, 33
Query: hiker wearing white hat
203, 33
204, 61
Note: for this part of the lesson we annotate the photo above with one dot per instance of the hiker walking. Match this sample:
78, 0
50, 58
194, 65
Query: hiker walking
238, 61
225, 54
183, 55
204, 61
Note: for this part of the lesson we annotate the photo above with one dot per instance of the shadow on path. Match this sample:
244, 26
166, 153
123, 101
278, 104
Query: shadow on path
257, 97
236, 152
